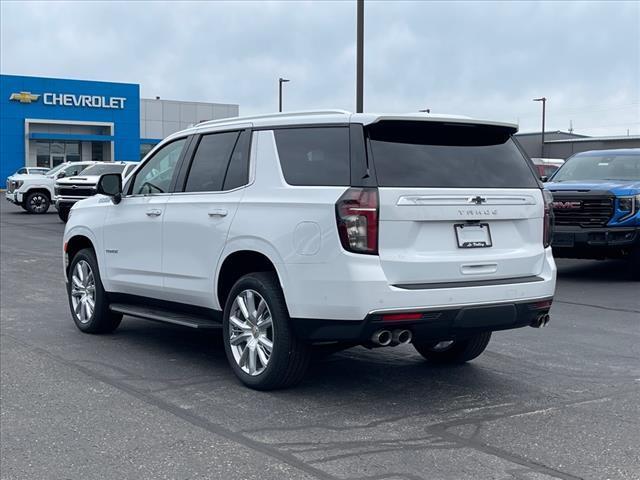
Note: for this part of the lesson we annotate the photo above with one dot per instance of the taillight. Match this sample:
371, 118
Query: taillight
357, 218
547, 232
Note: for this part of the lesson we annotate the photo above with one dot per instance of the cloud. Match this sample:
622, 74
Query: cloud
486, 59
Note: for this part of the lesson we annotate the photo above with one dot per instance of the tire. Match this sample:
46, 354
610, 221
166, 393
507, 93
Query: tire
319, 352
63, 213
82, 271
288, 360
459, 351
634, 263
37, 202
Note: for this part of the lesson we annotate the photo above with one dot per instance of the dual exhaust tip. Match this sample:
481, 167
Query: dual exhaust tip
391, 338
541, 320
386, 338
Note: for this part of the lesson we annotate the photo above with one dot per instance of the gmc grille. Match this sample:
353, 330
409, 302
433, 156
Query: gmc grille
75, 192
573, 210
10, 186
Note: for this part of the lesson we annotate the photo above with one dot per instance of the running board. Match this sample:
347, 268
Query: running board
166, 316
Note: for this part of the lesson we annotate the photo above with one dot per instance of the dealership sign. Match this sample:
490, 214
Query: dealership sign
70, 100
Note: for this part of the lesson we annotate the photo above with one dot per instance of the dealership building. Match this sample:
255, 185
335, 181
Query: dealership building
559, 144
47, 121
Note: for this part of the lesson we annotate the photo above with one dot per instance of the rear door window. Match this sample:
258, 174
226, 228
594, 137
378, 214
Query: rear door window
314, 156
430, 154
209, 165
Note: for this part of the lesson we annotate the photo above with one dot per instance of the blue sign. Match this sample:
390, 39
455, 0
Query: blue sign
38, 98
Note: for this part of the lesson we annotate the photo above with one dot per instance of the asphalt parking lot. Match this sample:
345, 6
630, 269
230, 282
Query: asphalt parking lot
156, 401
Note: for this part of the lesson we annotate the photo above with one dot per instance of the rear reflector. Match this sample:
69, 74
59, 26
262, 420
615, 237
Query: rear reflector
544, 304
396, 317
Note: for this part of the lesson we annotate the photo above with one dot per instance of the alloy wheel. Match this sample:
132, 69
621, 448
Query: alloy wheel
38, 203
251, 332
83, 291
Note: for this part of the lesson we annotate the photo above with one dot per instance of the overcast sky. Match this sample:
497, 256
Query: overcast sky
485, 59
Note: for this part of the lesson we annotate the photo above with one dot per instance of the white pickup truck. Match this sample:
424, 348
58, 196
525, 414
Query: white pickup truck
35, 192
72, 189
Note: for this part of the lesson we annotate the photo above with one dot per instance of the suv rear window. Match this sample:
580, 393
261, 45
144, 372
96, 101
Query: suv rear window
314, 155
429, 154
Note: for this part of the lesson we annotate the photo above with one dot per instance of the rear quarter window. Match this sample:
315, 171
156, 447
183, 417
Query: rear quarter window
314, 155
430, 154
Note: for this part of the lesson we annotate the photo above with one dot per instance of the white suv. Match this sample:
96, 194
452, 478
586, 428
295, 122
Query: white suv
293, 230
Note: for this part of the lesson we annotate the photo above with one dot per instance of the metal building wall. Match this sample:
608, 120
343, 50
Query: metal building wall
160, 118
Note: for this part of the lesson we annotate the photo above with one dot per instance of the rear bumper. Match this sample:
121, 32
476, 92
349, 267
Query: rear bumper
577, 242
435, 324
356, 287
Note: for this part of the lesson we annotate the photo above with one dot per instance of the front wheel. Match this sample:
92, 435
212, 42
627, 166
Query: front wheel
258, 340
87, 298
37, 202
63, 213
634, 263
453, 351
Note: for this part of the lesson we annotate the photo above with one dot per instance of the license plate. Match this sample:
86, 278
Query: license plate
473, 235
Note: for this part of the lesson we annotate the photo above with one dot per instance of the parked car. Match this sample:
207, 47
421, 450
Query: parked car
35, 192
596, 204
547, 166
292, 230
70, 190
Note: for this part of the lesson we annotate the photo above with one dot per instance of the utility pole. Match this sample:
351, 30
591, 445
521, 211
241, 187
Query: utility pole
280, 82
544, 104
570, 126
359, 56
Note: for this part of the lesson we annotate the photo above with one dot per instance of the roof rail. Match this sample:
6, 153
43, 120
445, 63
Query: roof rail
273, 115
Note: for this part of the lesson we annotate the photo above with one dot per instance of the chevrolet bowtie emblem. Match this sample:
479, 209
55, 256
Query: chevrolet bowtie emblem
24, 97
477, 200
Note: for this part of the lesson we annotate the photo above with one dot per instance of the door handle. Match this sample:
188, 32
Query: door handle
154, 212
218, 212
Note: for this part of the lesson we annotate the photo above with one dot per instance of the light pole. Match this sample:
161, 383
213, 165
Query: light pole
280, 82
359, 56
544, 105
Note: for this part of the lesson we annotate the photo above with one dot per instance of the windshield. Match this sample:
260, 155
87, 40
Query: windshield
102, 169
56, 169
600, 167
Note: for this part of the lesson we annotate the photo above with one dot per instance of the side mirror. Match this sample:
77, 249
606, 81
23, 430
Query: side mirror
544, 178
110, 184
61, 175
